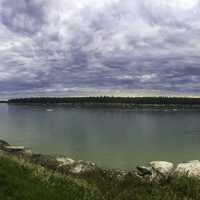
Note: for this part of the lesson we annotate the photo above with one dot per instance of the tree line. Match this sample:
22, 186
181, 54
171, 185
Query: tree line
111, 100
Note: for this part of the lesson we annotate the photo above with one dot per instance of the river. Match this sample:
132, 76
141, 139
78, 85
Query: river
112, 138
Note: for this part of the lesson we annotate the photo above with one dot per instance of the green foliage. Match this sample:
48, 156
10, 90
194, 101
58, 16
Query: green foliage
21, 182
25, 181
133, 188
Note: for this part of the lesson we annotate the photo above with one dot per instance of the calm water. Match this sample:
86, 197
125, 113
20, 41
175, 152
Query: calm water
112, 138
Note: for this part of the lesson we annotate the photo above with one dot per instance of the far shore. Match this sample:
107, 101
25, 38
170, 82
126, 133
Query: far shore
113, 102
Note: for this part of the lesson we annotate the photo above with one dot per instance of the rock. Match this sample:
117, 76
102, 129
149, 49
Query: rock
3, 144
157, 172
27, 152
80, 167
14, 149
162, 167
120, 174
189, 169
68, 165
77, 169
63, 164
45, 160
148, 174
63, 161
144, 171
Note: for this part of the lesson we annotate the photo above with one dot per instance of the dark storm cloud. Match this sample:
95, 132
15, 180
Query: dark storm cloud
23, 16
94, 47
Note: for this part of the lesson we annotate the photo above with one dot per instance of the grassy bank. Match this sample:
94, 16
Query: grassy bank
20, 179
25, 181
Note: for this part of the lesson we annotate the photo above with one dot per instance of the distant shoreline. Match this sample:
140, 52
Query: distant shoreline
113, 102
3, 101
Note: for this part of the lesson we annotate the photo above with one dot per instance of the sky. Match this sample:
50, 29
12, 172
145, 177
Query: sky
99, 47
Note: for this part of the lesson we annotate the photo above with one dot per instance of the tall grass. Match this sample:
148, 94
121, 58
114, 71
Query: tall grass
21, 180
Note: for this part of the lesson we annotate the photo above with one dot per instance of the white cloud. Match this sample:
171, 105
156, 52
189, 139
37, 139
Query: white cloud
147, 77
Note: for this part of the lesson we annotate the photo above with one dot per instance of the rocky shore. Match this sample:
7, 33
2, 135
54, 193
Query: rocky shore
157, 171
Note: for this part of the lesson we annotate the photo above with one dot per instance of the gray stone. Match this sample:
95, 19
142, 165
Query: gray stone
162, 167
157, 172
144, 171
82, 167
190, 169
14, 149
63, 161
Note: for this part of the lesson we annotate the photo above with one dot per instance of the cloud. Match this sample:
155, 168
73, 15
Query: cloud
24, 16
106, 46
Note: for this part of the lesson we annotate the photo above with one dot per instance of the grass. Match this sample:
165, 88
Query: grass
133, 188
22, 180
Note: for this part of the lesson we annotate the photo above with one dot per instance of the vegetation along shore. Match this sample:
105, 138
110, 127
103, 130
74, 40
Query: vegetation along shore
115, 102
26, 175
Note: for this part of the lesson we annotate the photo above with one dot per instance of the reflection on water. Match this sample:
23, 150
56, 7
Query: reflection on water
112, 138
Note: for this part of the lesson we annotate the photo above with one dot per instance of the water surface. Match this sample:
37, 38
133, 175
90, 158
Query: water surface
112, 138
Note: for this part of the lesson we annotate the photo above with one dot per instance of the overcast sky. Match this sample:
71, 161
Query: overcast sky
97, 47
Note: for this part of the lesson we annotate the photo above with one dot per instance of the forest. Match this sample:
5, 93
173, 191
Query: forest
111, 100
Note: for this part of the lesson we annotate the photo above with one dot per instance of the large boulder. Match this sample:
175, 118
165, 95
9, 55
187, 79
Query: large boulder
162, 167
189, 169
158, 171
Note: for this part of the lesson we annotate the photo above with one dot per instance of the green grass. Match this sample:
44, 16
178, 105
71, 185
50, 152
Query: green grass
20, 180
132, 188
